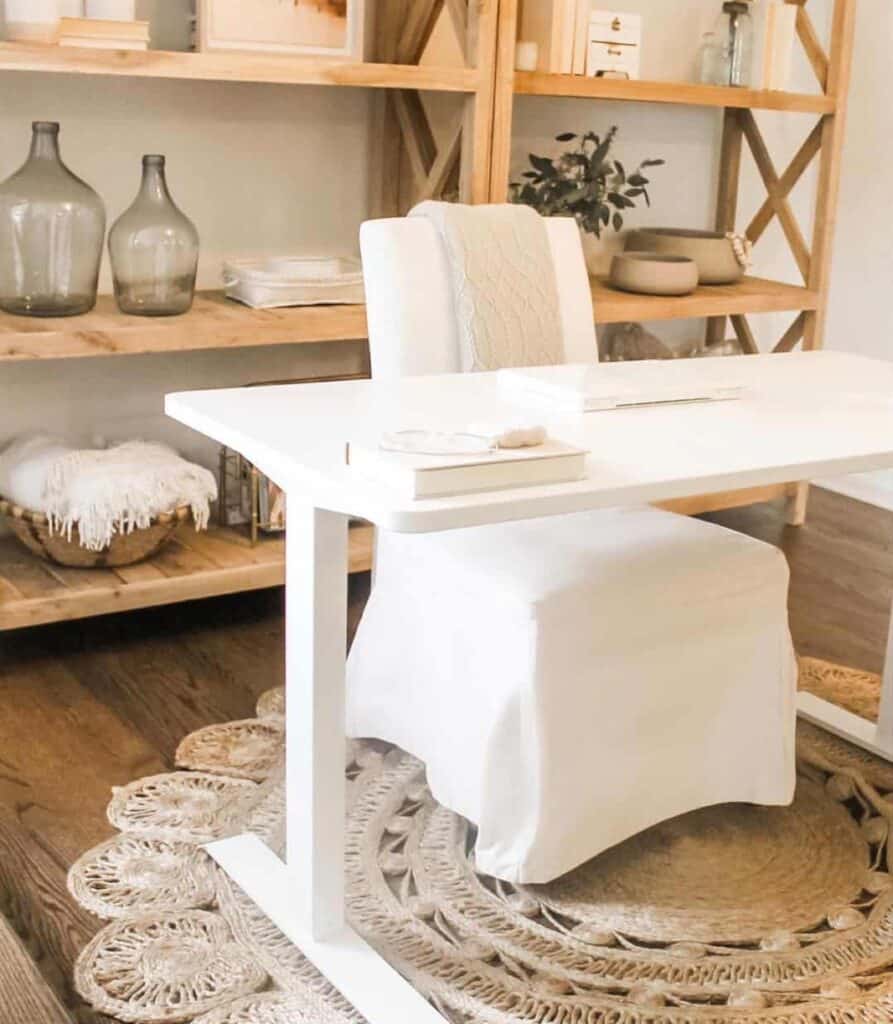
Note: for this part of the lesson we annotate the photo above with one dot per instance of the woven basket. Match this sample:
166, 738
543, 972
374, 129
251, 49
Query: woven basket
33, 530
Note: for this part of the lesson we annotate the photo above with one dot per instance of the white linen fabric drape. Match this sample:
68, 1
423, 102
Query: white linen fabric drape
574, 680
567, 681
505, 296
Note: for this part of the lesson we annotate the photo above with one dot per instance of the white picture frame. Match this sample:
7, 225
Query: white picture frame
304, 28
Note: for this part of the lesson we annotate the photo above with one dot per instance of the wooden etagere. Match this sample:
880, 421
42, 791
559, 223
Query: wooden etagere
458, 148
823, 143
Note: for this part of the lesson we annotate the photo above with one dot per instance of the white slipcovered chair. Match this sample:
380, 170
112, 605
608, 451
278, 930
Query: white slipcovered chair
573, 680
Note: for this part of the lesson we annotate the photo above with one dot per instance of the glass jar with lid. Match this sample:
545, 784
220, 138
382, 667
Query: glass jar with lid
735, 33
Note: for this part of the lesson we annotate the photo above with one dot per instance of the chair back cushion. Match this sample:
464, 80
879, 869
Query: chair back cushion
409, 302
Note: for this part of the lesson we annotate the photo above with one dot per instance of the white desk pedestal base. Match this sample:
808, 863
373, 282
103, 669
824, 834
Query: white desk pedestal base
845, 724
364, 978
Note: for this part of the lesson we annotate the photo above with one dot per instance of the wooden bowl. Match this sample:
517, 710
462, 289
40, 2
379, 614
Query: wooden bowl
33, 530
654, 273
712, 251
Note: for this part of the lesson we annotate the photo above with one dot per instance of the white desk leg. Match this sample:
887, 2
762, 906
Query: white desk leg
305, 899
316, 612
876, 738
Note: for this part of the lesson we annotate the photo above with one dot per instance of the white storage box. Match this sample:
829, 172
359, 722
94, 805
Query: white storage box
614, 44
294, 281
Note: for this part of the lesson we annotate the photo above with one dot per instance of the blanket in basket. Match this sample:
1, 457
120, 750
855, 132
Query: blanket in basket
103, 491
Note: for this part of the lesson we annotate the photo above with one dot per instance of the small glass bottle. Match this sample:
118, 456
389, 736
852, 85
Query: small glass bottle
52, 226
712, 65
737, 37
154, 250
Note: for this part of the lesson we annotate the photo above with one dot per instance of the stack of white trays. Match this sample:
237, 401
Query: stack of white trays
294, 281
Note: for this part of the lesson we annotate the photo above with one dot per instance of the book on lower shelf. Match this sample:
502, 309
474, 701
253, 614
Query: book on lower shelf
417, 476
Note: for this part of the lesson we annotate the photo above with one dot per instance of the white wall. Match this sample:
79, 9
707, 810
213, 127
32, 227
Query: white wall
861, 313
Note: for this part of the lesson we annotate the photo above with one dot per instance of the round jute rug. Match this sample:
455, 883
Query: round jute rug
730, 914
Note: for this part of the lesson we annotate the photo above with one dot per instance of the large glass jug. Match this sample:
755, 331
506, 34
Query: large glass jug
52, 226
154, 250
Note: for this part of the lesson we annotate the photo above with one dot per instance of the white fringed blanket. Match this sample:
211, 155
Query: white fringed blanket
103, 491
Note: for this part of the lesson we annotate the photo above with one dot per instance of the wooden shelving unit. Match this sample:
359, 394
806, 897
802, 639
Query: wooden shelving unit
464, 156
823, 143
533, 83
214, 322
410, 166
193, 565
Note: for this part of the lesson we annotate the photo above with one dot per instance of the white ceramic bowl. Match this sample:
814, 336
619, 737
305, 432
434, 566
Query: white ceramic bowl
713, 252
654, 273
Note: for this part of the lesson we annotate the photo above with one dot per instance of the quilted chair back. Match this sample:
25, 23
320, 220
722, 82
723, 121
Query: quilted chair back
412, 327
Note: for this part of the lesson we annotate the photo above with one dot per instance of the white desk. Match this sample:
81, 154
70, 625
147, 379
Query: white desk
806, 415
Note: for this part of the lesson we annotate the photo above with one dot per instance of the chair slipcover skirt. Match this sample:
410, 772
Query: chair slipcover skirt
571, 681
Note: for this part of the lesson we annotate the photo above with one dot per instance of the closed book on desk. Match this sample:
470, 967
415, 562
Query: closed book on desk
440, 476
579, 387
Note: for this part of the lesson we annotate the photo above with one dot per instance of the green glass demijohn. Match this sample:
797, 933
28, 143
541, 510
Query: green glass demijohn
154, 250
52, 226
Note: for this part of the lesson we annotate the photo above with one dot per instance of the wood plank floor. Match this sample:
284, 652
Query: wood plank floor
93, 704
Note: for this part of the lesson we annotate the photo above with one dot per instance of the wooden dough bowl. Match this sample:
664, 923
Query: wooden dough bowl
33, 530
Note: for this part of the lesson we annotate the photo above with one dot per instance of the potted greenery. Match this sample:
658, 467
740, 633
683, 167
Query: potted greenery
585, 183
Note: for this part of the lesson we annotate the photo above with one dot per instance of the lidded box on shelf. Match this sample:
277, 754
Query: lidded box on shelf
614, 46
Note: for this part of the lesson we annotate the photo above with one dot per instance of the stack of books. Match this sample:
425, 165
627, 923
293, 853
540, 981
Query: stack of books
102, 34
419, 476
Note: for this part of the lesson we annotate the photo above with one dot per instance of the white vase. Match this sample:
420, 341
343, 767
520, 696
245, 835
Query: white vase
113, 10
33, 21
600, 252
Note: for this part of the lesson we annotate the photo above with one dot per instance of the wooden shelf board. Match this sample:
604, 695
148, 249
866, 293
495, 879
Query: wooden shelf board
537, 83
751, 295
235, 67
221, 561
214, 322
217, 323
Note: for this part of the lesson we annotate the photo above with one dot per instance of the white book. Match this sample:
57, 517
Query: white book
581, 36
440, 476
596, 388
568, 35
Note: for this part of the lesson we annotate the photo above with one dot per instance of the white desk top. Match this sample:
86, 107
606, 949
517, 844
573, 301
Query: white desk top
805, 415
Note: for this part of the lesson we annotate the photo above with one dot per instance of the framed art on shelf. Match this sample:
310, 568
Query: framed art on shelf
311, 28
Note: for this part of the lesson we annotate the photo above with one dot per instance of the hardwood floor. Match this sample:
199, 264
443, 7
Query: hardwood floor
841, 574
89, 705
